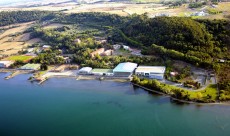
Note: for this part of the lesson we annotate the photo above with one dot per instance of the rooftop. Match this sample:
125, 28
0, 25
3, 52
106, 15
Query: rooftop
125, 67
30, 66
102, 70
85, 69
5, 62
154, 69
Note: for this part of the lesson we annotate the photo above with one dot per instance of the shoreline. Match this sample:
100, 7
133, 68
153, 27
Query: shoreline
179, 100
117, 79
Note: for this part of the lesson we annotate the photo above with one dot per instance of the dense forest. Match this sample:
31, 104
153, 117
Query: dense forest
13, 17
182, 34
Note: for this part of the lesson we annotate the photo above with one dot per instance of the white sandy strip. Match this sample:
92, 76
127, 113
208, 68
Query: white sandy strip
50, 74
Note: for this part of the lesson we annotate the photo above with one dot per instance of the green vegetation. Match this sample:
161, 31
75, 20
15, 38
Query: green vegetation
48, 58
163, 52
20, 58
196, 4
207, 95
17, 64
224, 82
213, 11
12, 17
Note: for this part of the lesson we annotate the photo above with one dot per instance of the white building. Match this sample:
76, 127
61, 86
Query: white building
126, 47
85, 70
125, 69
156, 72
5, 64
46, 47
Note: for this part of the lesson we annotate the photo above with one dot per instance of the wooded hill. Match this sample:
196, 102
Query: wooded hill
13, 17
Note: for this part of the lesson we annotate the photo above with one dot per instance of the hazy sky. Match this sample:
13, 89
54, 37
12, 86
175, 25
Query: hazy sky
7, 2
3, 2
11, 1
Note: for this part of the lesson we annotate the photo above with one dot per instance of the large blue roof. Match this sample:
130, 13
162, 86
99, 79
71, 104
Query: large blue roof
125, 67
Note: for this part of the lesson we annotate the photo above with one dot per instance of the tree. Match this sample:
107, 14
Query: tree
44, 67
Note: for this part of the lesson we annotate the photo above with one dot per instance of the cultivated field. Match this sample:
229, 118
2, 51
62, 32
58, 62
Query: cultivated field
17, 28
19, 57
13, 39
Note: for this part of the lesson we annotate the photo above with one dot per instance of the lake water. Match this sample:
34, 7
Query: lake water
69, 107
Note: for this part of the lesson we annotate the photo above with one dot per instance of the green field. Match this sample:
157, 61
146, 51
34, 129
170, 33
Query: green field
19, 58
209, 90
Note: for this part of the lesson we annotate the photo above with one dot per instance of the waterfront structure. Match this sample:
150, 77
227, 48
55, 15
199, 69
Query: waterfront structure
5, 64
85, 70
125, 69
30, 67
105, 72
156, 72
98, 51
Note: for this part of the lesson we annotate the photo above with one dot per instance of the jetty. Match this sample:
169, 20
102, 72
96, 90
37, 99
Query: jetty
16, 72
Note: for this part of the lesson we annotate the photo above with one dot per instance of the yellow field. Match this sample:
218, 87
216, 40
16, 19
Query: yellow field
123, 9
5, 39
21, 27
10, 45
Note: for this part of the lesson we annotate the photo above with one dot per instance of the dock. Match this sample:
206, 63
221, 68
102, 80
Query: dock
17, 72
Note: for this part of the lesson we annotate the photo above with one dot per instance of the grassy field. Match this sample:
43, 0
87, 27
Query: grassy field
209, 90
20, 58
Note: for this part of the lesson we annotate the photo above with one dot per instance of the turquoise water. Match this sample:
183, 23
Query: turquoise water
67, 107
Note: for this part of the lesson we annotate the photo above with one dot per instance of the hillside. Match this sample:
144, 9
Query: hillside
201, 38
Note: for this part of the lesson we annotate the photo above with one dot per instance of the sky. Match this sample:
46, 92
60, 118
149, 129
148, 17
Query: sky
4, 2
10, 2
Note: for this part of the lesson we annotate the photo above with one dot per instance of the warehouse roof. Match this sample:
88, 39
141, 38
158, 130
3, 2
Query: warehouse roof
153, 69
97, 70
125, 67
88, 69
